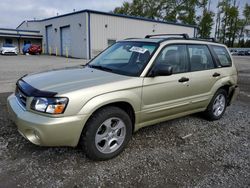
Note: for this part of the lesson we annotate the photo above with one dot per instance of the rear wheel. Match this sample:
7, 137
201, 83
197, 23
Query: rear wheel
106, 134
217, 105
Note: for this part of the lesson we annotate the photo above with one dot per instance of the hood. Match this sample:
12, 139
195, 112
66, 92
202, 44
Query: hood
71, 79
8, 48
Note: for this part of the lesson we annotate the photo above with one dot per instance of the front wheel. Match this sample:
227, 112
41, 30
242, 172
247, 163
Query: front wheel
106, 134
217, 105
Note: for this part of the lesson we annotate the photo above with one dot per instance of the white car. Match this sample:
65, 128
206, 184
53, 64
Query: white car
8, 49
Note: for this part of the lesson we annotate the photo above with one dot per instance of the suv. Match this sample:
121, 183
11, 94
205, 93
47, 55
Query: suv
132, 84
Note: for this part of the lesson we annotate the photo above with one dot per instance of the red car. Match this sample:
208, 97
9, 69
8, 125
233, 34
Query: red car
34, 49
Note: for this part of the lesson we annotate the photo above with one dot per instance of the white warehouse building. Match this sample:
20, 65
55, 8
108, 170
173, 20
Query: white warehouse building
84, 34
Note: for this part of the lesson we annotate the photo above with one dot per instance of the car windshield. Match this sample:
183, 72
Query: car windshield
8, 45
126, 58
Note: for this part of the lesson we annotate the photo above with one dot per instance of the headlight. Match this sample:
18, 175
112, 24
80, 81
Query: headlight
49, 105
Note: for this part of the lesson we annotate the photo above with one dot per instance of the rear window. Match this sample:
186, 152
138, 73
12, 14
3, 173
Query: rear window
222, 56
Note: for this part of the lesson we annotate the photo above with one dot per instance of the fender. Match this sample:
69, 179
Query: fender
132, 97
229, 81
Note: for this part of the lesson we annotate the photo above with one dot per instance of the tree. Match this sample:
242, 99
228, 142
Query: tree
247, 44
142, 8
205, 20
187, 13
223, 6
206, 24
169, 10
233, 26
246, 14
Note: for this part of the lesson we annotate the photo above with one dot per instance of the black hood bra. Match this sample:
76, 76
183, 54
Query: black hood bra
30, 91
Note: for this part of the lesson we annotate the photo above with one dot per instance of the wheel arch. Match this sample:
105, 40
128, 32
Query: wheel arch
230, 89
128, 101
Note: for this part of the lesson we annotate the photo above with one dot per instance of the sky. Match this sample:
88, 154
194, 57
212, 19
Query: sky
13, 12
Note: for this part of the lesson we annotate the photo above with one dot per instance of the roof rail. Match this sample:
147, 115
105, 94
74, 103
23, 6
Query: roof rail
130, 38
206, 39
184, 35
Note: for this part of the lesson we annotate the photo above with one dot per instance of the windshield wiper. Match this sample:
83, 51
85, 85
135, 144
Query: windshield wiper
101, 68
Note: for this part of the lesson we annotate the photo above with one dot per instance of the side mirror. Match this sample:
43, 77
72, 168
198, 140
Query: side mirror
161, 70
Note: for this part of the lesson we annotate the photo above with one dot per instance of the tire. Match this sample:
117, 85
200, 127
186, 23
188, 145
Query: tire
217, 106
106, 133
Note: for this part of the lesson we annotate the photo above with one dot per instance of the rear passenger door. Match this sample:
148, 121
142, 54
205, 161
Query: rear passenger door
204, 75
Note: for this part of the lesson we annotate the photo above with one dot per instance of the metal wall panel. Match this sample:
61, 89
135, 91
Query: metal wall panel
78, 32
106, 27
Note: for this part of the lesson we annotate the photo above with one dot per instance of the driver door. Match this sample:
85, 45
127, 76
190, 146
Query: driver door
164, 96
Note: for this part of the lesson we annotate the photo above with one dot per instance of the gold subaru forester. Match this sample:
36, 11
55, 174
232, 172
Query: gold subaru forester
132, 84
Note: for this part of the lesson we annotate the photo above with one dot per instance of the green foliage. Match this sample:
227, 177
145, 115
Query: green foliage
247, 44
168, 10
142, 8
246, 14
206, 24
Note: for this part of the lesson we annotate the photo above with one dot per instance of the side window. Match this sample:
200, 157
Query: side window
26, 42
222, 55
174, 56
200, 58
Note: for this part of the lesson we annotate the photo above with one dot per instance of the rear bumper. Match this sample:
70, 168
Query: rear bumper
46, 131
233, 93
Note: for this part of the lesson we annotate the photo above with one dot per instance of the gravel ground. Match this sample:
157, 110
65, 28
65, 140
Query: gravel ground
215, 154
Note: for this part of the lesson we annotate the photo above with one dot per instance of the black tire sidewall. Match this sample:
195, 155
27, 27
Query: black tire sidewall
209, 112
92, 125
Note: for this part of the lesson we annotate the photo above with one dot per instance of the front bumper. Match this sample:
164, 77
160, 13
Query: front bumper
43, 130
9, 52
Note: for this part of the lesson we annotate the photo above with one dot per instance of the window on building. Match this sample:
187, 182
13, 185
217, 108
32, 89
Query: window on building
200, 58
111, 41
8, 41
26, 42
222, 55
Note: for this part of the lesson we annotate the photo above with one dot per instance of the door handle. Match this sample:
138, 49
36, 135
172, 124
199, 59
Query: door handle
183, 79
216, 74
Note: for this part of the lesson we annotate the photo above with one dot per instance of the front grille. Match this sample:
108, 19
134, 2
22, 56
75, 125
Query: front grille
22, 98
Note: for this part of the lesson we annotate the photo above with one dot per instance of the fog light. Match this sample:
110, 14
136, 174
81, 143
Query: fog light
32, 136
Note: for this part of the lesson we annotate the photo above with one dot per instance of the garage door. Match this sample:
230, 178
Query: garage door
49, 39
65, 41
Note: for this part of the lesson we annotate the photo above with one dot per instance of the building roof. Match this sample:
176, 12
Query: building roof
111, 14
6, 32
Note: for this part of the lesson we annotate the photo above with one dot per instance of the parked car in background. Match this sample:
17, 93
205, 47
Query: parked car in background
8, 49
241, 53
26, 48
247, 53
32, 49
234, 52
35, 49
